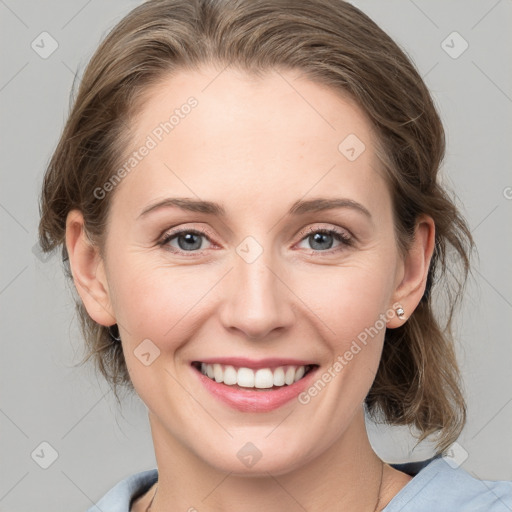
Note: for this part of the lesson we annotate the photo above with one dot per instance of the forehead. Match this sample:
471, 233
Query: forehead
225, 130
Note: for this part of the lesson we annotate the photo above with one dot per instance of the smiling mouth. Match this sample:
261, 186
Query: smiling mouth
249, 379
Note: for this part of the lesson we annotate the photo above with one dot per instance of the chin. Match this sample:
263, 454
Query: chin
257, 459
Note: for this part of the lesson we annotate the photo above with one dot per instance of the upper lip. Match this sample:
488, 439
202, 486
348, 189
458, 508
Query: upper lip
244, 362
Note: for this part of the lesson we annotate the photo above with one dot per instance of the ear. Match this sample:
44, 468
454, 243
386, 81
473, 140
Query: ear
88, 270
412, 279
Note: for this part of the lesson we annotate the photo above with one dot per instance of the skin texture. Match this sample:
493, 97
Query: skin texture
255, 145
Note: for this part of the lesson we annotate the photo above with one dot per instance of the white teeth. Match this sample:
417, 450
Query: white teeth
279, 377
289, 376
218, 373
245, 378
230, 375
262, 378
299, 373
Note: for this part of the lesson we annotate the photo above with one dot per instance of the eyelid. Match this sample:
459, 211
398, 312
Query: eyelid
347, 239
315, 228
171, 233
344, 236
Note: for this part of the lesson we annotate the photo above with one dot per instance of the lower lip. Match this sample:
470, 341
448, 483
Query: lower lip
247, 400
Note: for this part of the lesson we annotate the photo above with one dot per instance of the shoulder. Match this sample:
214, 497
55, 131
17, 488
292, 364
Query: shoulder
119, 498
443, 488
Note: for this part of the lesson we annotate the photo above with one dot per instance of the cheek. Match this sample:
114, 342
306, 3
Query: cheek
155, 306
347, 299
160, 302
151, 301
160, 309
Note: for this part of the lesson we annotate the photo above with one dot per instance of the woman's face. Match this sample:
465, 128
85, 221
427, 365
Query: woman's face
258, 280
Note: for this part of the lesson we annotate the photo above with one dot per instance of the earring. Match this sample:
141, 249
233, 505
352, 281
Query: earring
114, 335
400, 313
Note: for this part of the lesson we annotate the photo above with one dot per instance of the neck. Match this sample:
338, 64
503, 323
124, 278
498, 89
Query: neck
347, 476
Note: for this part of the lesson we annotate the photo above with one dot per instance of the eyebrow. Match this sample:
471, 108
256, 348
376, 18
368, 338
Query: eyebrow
298, 208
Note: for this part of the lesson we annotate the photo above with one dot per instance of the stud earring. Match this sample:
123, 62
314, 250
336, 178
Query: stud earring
400, 313
114, 335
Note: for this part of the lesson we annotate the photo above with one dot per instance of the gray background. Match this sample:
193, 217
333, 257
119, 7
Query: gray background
44, 398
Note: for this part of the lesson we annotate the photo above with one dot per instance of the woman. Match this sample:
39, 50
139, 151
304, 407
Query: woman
214, 146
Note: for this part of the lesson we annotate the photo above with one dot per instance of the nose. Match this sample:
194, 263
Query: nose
258, 300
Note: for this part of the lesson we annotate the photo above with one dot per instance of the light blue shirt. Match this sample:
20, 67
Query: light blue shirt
436, 487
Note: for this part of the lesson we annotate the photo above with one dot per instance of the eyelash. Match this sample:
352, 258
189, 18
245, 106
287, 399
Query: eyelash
341, 236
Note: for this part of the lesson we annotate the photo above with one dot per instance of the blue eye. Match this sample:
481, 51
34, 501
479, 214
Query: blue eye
321, 240
191, 241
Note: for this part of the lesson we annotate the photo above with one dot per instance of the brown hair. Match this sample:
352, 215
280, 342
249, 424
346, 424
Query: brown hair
331, 42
